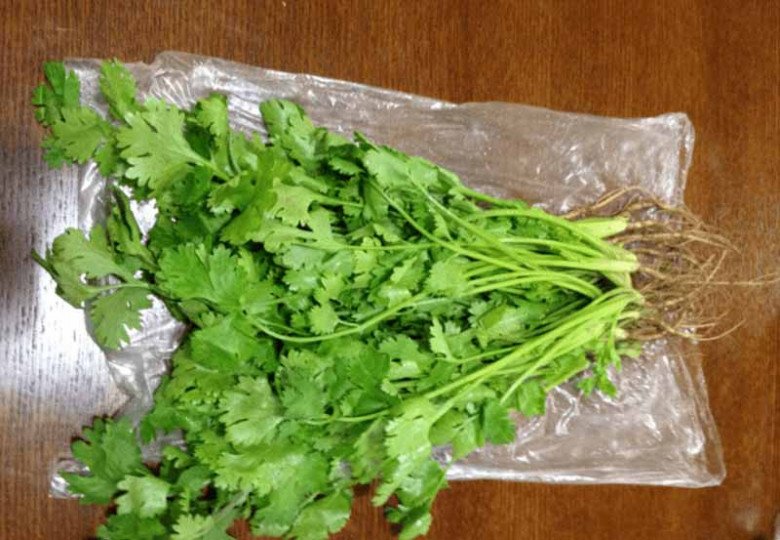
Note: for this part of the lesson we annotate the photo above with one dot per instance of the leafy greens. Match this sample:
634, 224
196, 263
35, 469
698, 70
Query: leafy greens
351, 308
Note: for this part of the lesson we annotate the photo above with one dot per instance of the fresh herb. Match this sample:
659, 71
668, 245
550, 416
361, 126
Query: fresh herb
351, 308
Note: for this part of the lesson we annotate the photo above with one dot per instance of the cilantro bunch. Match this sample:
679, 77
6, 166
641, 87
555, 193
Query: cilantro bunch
351, 308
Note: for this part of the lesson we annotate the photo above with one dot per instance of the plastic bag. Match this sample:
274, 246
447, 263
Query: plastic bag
658, 430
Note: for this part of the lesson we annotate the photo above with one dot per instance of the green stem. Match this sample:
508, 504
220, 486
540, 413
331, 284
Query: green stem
352, 247
348, 419
562, 280
572, 341
523, 256
511, 203
355, 330
554, 244
541, 215
579, 326
611, 302
479, 268
323, 199
610, 267
468, 253
448, 245
599, 265
487, 354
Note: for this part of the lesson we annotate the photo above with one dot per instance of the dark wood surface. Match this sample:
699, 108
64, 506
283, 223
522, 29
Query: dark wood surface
717, 61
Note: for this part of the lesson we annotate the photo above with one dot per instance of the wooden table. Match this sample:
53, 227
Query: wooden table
717, 61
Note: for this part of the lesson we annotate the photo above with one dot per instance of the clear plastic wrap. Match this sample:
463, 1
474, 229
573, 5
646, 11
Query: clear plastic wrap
659, 429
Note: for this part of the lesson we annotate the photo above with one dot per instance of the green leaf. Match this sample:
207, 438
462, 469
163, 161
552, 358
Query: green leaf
407, 359
236, 193
563, 369
256, 224
192, 272
73, 257
345, 167
447, 278
195, 226
321, 221
108, 159
250, 412
192, 527
303, 395
60, 92
408, 446
110, 452
118, 87
267, 468
502, 322
195, 527
53, 153
496, 423
387, 167
281, 116
460, 430
288, 126
438, 341
194, 479
154, 146
124, 232
144, 495
531, 398
286, 502
323, 319
212, 114
132, 527
113, 314
369, 452
227, 345
415, 498
323, 517
292, 203
297, 257
88, 256
79, 133
415, 523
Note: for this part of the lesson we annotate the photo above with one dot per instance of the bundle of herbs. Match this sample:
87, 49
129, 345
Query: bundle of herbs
350, 309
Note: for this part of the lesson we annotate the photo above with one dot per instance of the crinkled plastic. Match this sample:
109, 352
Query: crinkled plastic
659, 430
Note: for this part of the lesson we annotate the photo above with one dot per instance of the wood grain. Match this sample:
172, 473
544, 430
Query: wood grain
717, 61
